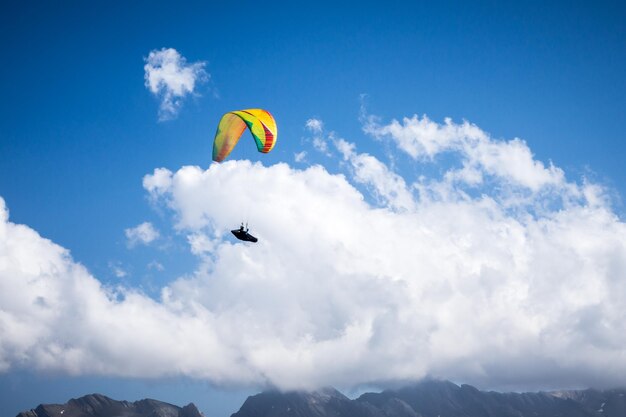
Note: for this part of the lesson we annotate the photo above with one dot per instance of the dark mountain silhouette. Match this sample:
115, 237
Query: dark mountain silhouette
96, 405
433, 398
324, 403
445, 399
429, 398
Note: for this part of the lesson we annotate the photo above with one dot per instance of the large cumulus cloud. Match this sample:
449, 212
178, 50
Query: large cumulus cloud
500, 273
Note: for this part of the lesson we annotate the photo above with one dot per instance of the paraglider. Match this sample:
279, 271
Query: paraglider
263, 128
242, 234
261, 124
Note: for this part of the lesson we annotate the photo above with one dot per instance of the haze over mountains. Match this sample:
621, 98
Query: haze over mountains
424, 399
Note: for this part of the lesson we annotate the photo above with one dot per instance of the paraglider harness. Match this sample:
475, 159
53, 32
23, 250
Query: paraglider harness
242, 234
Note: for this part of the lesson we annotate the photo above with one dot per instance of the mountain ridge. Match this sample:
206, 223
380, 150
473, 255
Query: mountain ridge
435, 398
98, 405
428, 398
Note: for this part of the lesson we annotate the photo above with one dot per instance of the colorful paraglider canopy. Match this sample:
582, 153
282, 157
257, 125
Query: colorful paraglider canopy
261, 124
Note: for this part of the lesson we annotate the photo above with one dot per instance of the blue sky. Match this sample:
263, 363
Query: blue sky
81, 137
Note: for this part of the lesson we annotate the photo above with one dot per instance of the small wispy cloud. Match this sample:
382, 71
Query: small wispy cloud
169, 77
300, 156
315, 125
156, 266
118, 270
144, 233
319, 141
389, 188
513, 161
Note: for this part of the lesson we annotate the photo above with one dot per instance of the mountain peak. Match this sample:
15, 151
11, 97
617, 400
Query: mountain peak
98, 405
320, 403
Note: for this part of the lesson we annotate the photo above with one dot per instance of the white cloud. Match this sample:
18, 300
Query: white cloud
510, 160
319, 141
157, 182
168, 76
156, 265
389, 187
461, 289
338, 291
300, 156
201, 244
144, 233
118, 270
314, 125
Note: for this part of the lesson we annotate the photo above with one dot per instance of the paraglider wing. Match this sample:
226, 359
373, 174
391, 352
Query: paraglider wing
232, 125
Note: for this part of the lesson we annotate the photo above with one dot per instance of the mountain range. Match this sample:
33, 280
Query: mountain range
429, 398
